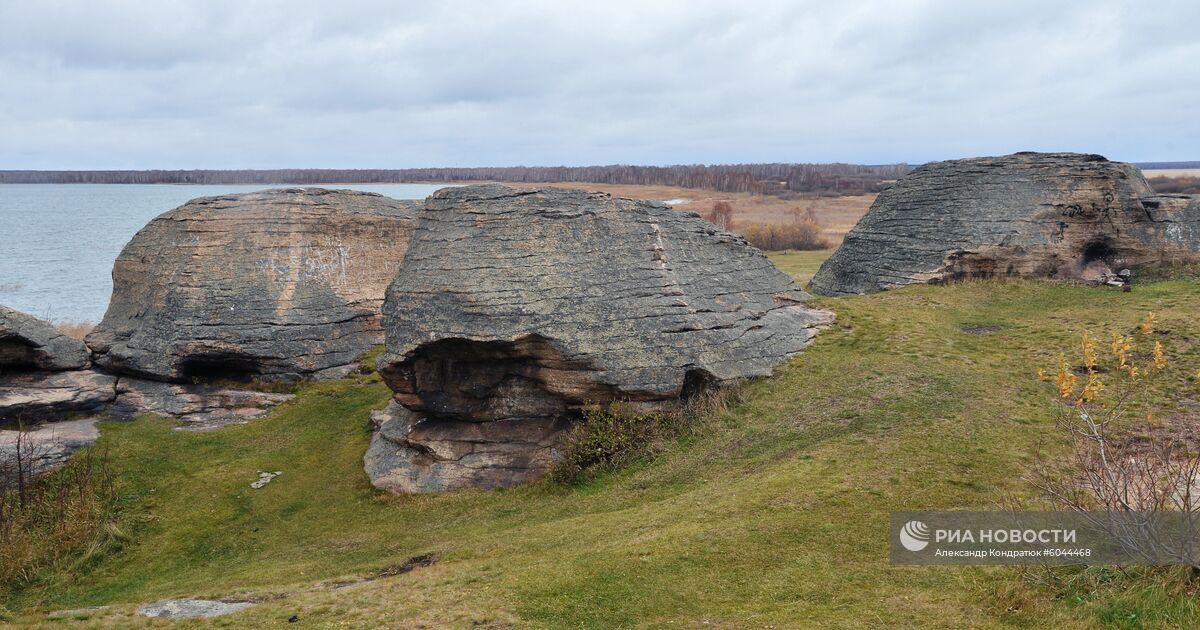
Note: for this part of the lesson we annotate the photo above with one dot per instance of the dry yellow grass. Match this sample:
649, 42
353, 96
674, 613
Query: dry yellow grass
1172, 172
835, 214
77, 330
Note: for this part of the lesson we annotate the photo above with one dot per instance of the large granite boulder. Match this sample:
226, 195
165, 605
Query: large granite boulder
28, 343
514, 309
1060, 215
272, 285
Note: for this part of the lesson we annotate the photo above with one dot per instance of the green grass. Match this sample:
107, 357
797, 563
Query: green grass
774, 515
801, 264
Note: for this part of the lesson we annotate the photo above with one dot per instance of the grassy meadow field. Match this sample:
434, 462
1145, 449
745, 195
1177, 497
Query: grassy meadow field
771, 513
1172, 172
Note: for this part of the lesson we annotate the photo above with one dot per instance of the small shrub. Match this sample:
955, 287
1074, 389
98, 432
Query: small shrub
803, 233
614, 436
721, 215
1121, 458
53, 518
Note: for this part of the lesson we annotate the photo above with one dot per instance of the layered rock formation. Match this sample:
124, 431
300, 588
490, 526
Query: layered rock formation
28, 343
280, 284
34, 396
196, 407
1060, 215
411, 453
515, 308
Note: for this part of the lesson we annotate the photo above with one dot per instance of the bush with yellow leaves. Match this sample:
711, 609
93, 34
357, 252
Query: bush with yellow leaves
1120, 458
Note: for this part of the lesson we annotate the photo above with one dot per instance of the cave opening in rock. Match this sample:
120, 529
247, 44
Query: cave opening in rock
16, 357
219, 367
1100, 249
496, 380
697, 382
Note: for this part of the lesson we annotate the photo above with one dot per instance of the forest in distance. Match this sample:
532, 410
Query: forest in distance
775, 179
778, 179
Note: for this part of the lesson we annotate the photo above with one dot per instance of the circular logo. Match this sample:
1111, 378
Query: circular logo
914, 536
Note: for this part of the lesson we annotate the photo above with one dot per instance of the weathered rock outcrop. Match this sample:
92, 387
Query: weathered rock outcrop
196, 407
515, 308
28, 343
280, 284
1061, 215
34, 396
411, 453
42, 375
34, 451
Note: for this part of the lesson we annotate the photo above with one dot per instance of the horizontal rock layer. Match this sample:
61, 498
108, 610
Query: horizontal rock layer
411, 453
30, 397
1059, 215
35, 396
30, 452
280, 284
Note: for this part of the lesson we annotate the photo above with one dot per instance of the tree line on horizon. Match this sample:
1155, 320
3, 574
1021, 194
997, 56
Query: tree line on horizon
835, 179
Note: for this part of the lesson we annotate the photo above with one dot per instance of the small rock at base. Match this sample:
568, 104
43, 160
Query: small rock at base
189, 608
264, 478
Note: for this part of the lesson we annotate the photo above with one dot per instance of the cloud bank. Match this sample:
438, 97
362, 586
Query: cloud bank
362, 83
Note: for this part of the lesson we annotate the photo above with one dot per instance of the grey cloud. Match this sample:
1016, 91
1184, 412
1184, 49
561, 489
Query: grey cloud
272, 83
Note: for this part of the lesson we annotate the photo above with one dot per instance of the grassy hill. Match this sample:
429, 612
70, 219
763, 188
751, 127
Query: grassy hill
773, 514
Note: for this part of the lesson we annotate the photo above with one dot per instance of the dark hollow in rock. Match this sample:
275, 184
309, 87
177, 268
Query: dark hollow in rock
1053, 215
495, 380
516, 308
272, 285
28, 343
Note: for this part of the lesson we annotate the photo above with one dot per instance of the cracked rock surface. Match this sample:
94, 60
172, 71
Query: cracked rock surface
515, 308
27, 342
1054, 215
279, 284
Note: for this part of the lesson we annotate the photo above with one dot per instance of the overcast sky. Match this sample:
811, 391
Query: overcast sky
392, 84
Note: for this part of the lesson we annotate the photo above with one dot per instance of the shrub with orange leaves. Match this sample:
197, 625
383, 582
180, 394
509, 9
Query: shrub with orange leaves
1120, 458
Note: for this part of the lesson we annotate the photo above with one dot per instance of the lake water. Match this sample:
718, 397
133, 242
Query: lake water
58, 242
